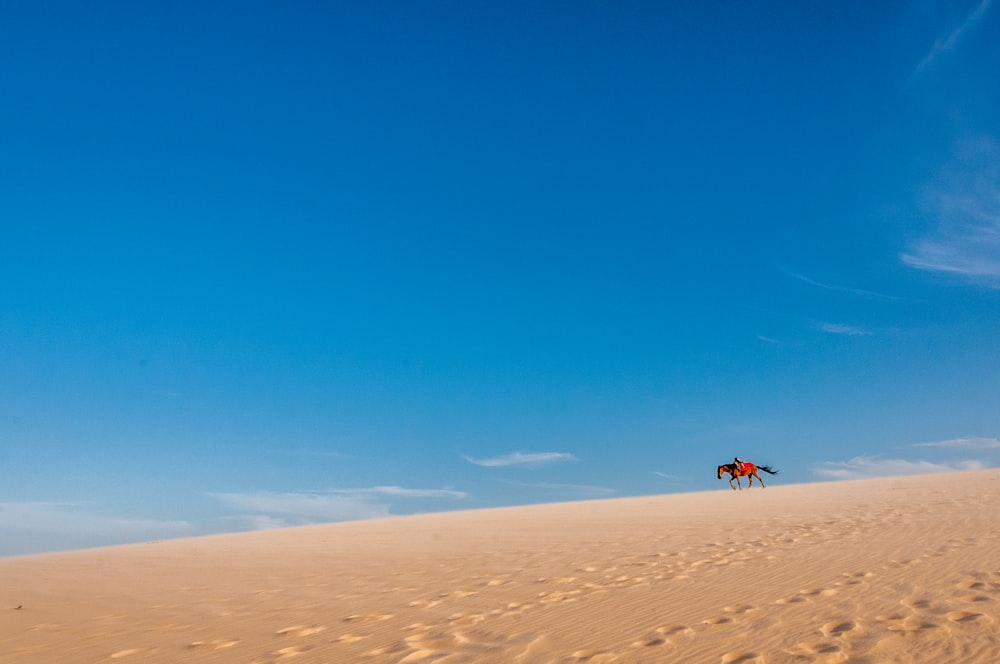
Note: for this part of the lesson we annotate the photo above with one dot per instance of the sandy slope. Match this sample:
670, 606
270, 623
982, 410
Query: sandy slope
886, 570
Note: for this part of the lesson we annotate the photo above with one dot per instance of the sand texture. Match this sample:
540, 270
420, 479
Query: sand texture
885, 570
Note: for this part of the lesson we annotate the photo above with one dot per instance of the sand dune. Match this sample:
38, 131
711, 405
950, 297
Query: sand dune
886, 570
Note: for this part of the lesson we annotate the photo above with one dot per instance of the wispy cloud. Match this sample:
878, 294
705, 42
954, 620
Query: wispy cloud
861, 467
412, 493
323, 454
965, 444
28, 527
840, 289
846, 330
578, 489
32, 527
944, 45
522, 459
269, 509
965, 206
291, 508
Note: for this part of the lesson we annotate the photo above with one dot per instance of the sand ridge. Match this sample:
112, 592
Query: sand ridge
886, 570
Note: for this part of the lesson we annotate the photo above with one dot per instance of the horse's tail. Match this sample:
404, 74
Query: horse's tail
768, 469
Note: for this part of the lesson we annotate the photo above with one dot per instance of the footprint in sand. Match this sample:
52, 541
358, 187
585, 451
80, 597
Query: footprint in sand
367, 618
458, 619
741, 658
838, 628
794, 599
814, 648
301, 630
968, 599
292, 651
458, 594
557, 579
899, 564
912, 624
659, 636
214, 644
435, 642
351, 638
738, 608
593, 656
675, 630
818, 592
962, 616
131, 651
853, 578
970, 584
419, 656
512, 609
559, 596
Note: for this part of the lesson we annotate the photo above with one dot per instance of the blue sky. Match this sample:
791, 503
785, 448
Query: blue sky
269, 264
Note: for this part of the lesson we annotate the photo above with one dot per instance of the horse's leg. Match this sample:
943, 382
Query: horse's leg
760, 479
731, 478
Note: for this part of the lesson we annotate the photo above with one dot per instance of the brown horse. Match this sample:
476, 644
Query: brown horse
748, 470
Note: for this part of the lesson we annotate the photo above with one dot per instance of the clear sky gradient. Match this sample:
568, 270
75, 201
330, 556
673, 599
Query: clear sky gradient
269, 264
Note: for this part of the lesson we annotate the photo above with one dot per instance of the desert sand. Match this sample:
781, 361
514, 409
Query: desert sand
903, 569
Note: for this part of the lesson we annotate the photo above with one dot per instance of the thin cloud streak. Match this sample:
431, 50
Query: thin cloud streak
845, 330
522, 459
30, 527
862, 467
286, 509
272, 509
946, 44
965, 444
70, 518
583, 489
841, 289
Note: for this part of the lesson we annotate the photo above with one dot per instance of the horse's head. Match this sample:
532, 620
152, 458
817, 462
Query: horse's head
722, 469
